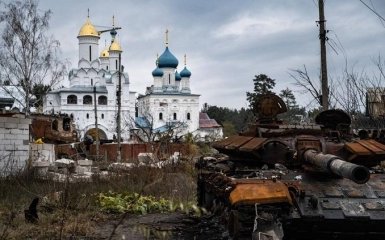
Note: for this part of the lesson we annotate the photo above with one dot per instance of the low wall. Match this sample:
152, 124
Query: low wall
14, 142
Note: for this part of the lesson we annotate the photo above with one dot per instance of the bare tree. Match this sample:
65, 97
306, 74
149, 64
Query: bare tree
143, 128
349, 90
28, 55
303, 80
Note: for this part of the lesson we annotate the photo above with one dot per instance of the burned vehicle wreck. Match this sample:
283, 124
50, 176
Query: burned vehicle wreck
279, 181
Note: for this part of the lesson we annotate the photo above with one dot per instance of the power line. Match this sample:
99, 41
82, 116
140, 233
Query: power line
371, 9
382, 22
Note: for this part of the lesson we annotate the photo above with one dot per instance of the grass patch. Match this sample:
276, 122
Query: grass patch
74, 209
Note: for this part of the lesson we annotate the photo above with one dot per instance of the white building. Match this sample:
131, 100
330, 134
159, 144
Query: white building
169, 100
97, 75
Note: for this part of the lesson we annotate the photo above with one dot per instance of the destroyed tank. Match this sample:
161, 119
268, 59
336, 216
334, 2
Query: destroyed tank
296, 181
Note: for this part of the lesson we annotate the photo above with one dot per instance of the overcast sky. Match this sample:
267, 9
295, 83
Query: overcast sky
227, 42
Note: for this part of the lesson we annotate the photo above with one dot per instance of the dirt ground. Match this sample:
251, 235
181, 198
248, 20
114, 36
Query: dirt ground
161, 226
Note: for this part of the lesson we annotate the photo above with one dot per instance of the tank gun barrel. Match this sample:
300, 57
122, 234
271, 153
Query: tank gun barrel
334, 164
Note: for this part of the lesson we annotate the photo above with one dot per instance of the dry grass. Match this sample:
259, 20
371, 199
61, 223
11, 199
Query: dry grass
75, 213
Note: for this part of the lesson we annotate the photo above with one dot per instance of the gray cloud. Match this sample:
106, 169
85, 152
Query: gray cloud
227, 42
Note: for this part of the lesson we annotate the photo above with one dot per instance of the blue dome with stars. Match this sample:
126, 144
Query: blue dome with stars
167, 60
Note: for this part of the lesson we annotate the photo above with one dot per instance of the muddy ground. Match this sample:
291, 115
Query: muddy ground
161, 226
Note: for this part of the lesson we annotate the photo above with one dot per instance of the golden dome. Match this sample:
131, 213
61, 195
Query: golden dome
105, 53
88, 29
115, 46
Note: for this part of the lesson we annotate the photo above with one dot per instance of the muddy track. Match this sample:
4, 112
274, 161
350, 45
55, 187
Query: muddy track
161, 226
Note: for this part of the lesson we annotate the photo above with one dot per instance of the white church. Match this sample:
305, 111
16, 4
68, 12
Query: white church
169, 101
95, 81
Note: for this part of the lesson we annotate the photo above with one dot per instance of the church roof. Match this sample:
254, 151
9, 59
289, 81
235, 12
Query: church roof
105, 53
81, 89
167, 60
88, 29
177, 76
157, 72
206, 122
185, 72
115, 46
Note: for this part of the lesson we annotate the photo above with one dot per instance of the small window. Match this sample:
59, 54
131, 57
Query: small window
116, 64
107, 67
188, 116
160, 116
87, 100
72, 99
87, 116
174, 116
102, 100
92, 82
169, 79
102, 116
90, 53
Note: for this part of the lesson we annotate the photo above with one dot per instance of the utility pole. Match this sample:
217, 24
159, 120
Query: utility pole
324, 73
118, 118
96, 125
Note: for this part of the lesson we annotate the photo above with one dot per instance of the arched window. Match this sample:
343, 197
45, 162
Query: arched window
169, 79
92, 82
174, 116
160, 116
116, 64
90, 52
87, 116
102, 115
102, 100
107, 67
87, 99
72, 99
188, 116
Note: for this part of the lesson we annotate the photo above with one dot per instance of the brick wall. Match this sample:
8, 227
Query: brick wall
14, 142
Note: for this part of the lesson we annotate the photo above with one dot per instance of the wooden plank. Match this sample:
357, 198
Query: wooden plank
253, 144
357, 149
371, 147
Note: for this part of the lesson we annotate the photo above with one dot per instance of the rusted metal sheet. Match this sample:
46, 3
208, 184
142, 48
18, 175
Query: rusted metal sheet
238, 142
232, 142
253, 145
371, 146
357, 148
53, 128
377, 144
261, 192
